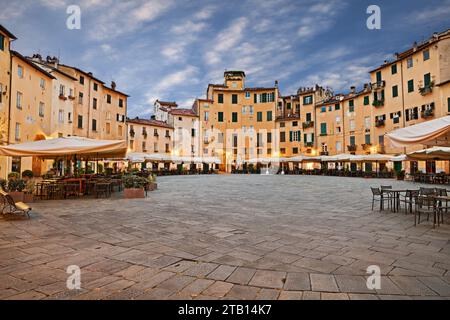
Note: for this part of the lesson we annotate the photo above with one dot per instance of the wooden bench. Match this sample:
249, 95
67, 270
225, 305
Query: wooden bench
9, 206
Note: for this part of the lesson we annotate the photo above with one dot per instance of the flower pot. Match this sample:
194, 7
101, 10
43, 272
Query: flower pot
28, 198
133, 193
17, 196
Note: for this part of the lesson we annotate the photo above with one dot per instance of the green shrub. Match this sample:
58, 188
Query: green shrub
27, 174
134, 182
13, 175
3, 184
16, 185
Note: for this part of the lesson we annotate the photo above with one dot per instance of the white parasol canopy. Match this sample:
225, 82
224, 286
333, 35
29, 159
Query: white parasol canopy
54, 148
435, 153
432, 133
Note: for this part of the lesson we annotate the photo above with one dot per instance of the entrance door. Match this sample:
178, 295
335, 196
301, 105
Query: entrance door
431, 166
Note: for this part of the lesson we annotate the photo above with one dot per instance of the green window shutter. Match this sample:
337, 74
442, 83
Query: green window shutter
299, 135
427, 79
259, 116
411, 85
290, 136
220, 116
323, 128
395, 91
220, 98
394, 69
379, 78
351, 103
255, 98
235, 117
269, 115
367, 138
448, 104
2, 42
382, 94
304, 138
366, 100
312, 137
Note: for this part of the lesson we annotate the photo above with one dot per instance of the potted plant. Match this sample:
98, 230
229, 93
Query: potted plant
28, 195
16, 187
134, 186
400, 174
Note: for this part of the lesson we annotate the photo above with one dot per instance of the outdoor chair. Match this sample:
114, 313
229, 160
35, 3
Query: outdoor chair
71, 190
409, 199
378, 196
425, 204
103, 188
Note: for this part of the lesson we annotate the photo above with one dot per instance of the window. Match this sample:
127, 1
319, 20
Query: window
378, 76
82, 80
220, 116
62, 90
119, 129
394, 69
61, 116
19, 100
337, 107
220, 137
308, 117
193, 133
244, 109
289, 106
167, 148
220, 98
366, 100
338, 146
352, 141
294, 136
297, 108
108, 115
42, 84
323, 109
395, 91
144, 146
71, 92
282, 125
409, 62
120, 103
234, 99
1, 93
427, 79
351, 103
80, 122
410, 85
95, 86
323, 129
234, 117
352, 125
282, 136
367, 139
367, 122
2, 42
259, 116
17, 131
426, 55
69, 117
155, 147
269, 115
247, 95
295, 123
41, 109
250, 110
351, 108
108, 98
20, 72
308, 100
269, 137
206, 116
283, 150
448, 104
94, 125
94, 103
80, 98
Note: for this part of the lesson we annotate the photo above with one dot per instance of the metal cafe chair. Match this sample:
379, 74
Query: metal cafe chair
379, 196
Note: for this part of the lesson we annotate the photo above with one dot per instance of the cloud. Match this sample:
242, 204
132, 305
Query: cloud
442, 11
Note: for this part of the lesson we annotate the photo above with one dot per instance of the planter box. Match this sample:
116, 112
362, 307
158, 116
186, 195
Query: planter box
17, 196
134, 193
28, 198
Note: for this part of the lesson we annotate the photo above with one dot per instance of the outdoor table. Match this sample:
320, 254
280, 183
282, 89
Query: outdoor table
77, 180
396, 197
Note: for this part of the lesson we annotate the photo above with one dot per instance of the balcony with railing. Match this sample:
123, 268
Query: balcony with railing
427, 113
308, 124
378, 85
352, 148
324, 153
366, 146
309, 144
378, 103
426, 89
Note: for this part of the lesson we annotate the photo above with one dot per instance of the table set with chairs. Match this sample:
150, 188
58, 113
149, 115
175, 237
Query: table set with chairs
429, 202
66, 188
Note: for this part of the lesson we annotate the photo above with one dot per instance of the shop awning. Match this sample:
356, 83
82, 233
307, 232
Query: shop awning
54, 148
431, 133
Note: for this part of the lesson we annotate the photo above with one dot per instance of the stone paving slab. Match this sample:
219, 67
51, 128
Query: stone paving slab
267, 243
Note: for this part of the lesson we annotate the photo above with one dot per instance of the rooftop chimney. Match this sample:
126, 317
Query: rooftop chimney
113, 85
352, 89
415, 46
276, 83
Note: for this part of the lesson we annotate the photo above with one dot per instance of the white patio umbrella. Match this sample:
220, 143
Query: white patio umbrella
431, 133
435, 153
136, 157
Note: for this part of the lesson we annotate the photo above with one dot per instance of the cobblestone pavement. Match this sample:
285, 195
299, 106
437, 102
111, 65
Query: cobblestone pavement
230, 237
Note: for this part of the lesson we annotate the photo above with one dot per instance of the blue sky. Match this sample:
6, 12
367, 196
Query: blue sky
172, 49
